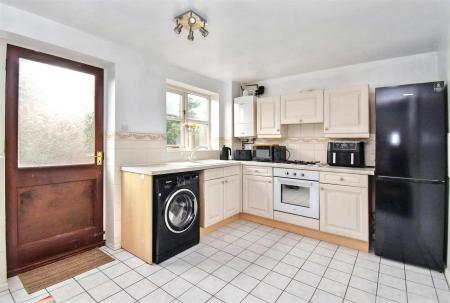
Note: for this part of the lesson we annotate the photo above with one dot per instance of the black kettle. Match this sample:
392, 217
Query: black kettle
225, 153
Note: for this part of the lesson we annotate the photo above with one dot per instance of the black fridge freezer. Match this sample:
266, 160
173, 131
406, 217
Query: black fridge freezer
411, 173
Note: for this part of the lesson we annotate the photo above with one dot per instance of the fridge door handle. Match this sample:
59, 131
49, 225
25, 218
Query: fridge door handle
334, 158
388, 178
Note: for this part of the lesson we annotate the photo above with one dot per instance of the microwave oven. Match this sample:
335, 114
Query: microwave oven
263, 153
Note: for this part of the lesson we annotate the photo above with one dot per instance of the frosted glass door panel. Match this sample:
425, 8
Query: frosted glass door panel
56, 116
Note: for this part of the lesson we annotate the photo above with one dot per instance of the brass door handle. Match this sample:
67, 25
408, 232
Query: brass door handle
99, 158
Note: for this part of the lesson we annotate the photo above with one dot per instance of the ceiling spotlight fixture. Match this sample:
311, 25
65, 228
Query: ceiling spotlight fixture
191, 21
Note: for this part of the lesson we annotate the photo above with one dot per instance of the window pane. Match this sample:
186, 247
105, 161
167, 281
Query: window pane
214, 124
174, 132
201, 135
55, 116
198, 108
173, 102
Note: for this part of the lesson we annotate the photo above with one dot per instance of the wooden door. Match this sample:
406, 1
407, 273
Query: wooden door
232, 196
346, 112
54, 181
268, 116
344, 211
213, 201
258, 196
304, 107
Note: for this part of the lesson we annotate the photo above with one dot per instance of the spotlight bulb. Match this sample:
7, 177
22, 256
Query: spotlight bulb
191, 35
203, 31
178, 28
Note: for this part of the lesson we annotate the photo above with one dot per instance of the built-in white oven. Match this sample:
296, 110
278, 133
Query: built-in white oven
296, 192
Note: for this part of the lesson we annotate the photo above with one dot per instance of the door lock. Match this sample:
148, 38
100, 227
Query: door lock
99, 158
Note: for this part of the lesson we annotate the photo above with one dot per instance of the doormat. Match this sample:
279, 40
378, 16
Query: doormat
53, 273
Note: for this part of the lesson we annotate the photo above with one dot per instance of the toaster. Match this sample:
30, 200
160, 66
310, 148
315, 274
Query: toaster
243, 154
350, 154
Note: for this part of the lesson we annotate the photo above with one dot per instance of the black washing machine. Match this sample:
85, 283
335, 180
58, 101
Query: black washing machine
176, 217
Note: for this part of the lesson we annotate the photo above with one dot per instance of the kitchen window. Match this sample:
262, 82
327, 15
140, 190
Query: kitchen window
188, 119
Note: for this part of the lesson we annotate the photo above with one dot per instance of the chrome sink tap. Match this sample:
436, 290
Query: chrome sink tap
192, 157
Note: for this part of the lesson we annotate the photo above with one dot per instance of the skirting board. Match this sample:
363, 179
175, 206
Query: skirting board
207, 230
3, 286
344, 241
447, 274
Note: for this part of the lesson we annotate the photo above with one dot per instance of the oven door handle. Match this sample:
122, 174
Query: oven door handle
296, 182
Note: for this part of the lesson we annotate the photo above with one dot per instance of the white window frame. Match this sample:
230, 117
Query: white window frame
184, 117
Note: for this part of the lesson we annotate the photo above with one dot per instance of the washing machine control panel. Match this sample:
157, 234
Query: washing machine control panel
186, 180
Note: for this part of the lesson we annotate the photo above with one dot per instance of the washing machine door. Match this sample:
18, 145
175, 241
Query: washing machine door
181, 210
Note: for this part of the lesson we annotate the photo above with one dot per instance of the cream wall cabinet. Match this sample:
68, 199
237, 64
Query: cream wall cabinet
303, 107
221, 194
258, 196
346, 112
268, 124
344, 210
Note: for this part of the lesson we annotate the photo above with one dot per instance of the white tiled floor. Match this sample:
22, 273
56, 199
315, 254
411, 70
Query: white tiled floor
247, 262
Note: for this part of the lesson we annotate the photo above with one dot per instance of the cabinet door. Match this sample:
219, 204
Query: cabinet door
344, 211
213, 202
268, 116
346, 112
304, 107
232, 196
258, 196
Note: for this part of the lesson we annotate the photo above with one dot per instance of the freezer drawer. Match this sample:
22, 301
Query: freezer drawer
410, 221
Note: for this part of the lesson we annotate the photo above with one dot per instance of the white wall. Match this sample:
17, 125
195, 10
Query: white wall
443, 59
402, 70
135, 100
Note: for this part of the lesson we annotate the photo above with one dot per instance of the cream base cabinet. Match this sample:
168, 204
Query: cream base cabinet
213, 196
258, 196
344, 211
232, 196
220, 194
304, 107
346, 112
268, 123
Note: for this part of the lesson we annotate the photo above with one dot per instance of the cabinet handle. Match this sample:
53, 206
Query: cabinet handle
321, 188
300, 120
269, 181
278, 130
342, 179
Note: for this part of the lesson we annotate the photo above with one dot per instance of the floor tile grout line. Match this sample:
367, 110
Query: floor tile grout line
378, 279
274, 238
209, 274
316, 288
351, 274
85, 290
250, 263
274, 267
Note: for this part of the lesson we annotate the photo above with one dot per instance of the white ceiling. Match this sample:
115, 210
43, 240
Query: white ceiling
260, 39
